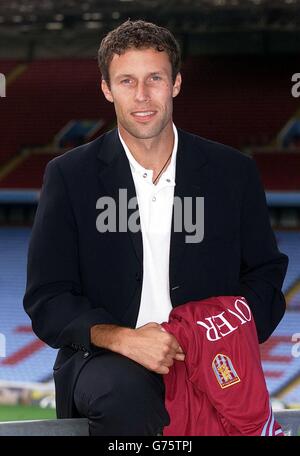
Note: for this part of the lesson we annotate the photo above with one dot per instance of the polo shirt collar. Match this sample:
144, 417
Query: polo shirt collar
146, 174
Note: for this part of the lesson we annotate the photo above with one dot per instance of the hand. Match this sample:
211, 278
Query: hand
152, 347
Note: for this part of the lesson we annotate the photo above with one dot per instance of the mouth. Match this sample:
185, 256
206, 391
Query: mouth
143, 116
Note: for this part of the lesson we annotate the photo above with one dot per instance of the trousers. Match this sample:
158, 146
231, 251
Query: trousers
120, 397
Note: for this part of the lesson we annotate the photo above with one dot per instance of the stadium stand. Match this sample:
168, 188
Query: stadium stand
243, 100
51, 92
30, 361
44, 98
7, 65
279, 171
236, 100
29, 173
38, 117
27, 359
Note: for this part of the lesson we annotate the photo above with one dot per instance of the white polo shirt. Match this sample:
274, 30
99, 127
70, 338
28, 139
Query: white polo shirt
155, 207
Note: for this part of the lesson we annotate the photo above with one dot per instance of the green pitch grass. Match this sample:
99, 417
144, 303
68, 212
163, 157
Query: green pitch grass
25, 412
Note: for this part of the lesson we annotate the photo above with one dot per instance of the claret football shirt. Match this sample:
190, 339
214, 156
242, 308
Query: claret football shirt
219, 389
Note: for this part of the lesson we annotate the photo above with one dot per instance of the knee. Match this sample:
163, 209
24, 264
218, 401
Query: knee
119, 395
129, 407
125, 389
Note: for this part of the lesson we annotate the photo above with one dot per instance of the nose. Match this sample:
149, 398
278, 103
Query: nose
142, 93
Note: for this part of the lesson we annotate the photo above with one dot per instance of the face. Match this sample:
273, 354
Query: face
142, 91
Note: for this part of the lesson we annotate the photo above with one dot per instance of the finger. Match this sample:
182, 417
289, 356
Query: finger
163, 370
178, 349
180, 356
168, 361
176, 345
151, 324
173, 353
175, 348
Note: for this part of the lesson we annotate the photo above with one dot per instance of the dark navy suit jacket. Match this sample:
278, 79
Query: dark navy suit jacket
78, 277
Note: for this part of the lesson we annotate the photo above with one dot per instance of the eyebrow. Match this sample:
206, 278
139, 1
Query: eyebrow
131, 75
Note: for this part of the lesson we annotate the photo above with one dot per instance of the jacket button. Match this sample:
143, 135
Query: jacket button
86, 354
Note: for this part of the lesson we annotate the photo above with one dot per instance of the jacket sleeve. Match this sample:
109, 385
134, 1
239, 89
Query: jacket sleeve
60, 313
263, 266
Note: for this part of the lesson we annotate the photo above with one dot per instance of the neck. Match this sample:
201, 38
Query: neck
151, 153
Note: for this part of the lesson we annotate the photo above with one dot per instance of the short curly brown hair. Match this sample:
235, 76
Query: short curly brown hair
138, 34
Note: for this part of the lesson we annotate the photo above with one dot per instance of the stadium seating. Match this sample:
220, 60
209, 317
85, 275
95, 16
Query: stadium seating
7, 65
236, 100
45, 97
220, 99
29, 360
279, 171
29, 173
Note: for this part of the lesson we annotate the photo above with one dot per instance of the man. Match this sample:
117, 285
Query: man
98, 290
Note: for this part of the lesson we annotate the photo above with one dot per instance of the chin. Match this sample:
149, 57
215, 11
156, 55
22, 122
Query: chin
145, 131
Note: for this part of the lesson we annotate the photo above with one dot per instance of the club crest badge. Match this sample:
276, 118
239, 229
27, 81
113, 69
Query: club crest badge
224, 371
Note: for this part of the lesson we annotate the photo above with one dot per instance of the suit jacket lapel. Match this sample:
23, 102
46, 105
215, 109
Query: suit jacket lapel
190, 167
115, 174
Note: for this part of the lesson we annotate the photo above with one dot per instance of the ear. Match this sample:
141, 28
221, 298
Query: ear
106, 91
177, 85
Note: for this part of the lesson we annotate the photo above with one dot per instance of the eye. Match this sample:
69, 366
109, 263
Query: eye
156, 78
126, 81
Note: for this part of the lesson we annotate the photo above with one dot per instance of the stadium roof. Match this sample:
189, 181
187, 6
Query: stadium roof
181, 15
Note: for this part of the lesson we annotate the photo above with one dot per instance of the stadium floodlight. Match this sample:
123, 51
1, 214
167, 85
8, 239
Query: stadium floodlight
87, 16
54, 26
96, 16
59, 17
2, 345
94, 25
2, 86
17, 19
